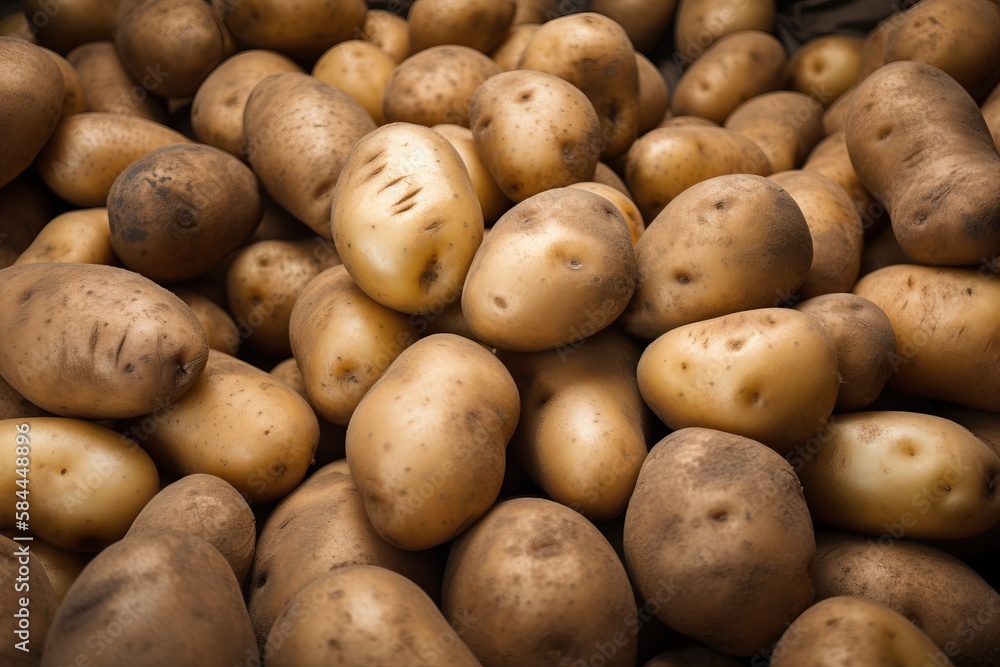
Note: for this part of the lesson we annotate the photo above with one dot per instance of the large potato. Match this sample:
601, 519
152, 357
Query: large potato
785, 124
29, 597
621, 201
478, 24
108, 87
701, 23
82, 236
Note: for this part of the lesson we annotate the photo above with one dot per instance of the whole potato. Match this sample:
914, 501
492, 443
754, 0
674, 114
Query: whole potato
835, 116
73, 97
362, 70
875, 44
39, 609
220, 329
826, 66
70, 23
108, 87
82, 236
390, 32
701, 23
785, 124
477, 24
492, 200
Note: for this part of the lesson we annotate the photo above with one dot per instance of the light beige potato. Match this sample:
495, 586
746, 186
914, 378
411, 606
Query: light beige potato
534, 132
727, 244
826, 66
785, 124
387, 31
431, 464
643, 20
667, 161
558, 267
218, 105
434, 86
82, 236
62, 567
331, 436
303, 30
492, 201
319, 527
835, 228
722, 519
507, 54
73, 97
625, 206
605, 175
701, 23
853, 631
477, 24
299, 133
406, 220
86, 482
89, 150
360, 69
946, 323
242, 425
692, 657
733, 69
878, 472
865, 342
831, 159
39, 603
654, 95
526, 568
737, 373
108, 87
835, 116
69, 23
220, 329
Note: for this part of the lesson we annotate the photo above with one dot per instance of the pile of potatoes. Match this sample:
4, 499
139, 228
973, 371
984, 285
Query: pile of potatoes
450, 334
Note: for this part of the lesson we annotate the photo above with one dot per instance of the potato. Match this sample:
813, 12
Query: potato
852, 631
87, 482
218, 106
831, 159
220, 329
26, 206
343, 341
945, 322
364, 615
507, 54
874, 46
991, 114
404, 188
434, 86
933, 166
242, 425
944, 604
865, 342
447, 450
727, 244
835, 228
593, 53
108, 87
101, 342
73, 98
738, 66
534, 132
701, 23
835, 116
361, 69
878, 472
87, 151
736, 373
299, 132
666, 161
643, 20
622, 202
389, 32
16, 24
32, 102
15, 406
492, 200
477, 24
605, 175
319, 527
686, 121
654, 96
62, 567
303, 30
826, 66
556, 268
70, 23
692, 657
522, 571
786, 126
738, 586
82, 236
27, 594
153, 600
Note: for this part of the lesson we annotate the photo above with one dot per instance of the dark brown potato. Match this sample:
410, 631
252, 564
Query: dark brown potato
65, 24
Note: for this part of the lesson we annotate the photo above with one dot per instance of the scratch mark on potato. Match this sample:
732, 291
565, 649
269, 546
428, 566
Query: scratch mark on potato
391, 183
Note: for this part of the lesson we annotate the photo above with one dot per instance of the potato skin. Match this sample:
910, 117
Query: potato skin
82, 236
220, 328
785, 124
303, 30
73, 23
42, 607
826, 66
477, 24
645, 22
361, 69
700, 23
15, 406
388, 31
492, 200
108, 87
722, 518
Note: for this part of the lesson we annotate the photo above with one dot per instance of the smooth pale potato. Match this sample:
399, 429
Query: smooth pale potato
556, 268
319, 527
361, 69
534, 132
522, 572
87, 482
736, 373
431, 464
991, 114
492, 200
14, 406
364, 615
727, 244
38, 595
108, 87
733, 69
165, 598
221, 427
785, 124
434, 86
835, 116
343, 342
853, 631
303, 30
831, 159
95, 341
89, 150
826, 66
220, 329
593, 53
701, 23
915, 474
73, 97
946, 323
62, 567
865, 342
667, 161
835, 228
622, 202
387, 31
477, 24
644, 20
32, 103
933, 166
299, 133
70, 23
208, 507
406, 220
722, 519
26, 206
218, 105
82, 236
654, 95
507, 54
692, 657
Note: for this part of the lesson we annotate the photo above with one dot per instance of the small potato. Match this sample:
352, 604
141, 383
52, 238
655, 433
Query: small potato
77, 237
360, 69
492, 200
831, 159
477, 24
737, 374
923, 475
643, 20
507, 54
865, 342
220, 329
654, 96
40, 608
786, 125
722, 518
622, 202
826, 66
71, 22
692, 657
434, 86
242, 425
108, 87
87, 482
389, 32
701, 23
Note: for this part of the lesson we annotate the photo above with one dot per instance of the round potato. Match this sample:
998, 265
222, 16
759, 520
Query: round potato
362, 70
108, 87
785, 124
826, 66
477, 24
82, 236
701, 23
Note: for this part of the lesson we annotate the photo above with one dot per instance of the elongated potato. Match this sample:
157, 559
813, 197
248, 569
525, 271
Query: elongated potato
73, 98
77, 237
785, 124
701, 23
108, 87
654, 95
